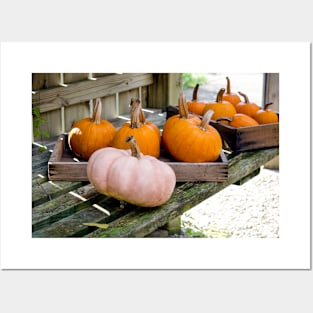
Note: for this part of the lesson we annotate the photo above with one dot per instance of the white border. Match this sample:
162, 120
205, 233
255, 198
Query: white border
20, 251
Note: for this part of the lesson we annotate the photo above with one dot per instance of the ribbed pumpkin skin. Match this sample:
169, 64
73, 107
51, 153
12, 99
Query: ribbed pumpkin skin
148, 138
266, 117
220, 107
85, 137
224, 108
145, 182
233, 98
247, 107
187, 142
243, 120
229, 96
195, 106
146, 134
171, 123
90, 134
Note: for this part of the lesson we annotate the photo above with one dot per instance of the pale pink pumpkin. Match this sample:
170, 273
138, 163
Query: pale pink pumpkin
130, 176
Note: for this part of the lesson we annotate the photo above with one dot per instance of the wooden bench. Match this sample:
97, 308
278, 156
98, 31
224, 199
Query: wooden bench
63, 208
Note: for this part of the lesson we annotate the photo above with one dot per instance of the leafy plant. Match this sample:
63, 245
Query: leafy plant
37, 121
191, 79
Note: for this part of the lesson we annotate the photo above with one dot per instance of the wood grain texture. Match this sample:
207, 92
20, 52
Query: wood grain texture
249, 138
74, 93
62, 166
64, 215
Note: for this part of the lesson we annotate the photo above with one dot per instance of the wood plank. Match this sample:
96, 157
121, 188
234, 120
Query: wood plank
141, 222
248, 177
55, 98
50, 190
132, 221
56, 154
72, 225
63, 206
249, 138
41, 159
65, 168
39, 177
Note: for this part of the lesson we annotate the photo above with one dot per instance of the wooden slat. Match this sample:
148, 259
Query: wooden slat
249, 138
64, 205
142, 221
41, 159
55, 98
50, 190
65, 168
72, 223
134, 221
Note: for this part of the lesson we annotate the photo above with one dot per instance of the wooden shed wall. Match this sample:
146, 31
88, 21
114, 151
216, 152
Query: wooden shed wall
64, 98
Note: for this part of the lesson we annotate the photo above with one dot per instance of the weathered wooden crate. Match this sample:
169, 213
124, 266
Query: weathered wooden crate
245, 138
63, 165
248, 138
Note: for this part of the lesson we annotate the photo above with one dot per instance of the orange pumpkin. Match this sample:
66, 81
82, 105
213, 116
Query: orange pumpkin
146, 133
195, 106
188, 139
90, 134
247, 107
130, 176
231, 96
266, 115
239, 120
220, 107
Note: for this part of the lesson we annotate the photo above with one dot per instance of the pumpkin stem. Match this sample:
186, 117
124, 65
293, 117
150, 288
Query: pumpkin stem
224, 118
182, 106
133, 146
245, 97
96, 116
195, 93
267, 105
137, 117
219, 96
228, 90
206, 119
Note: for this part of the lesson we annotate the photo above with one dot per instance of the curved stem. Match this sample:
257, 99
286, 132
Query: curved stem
96, 116
133, 146
228, 90
182, 106
137, 117
224, 118
195, 93
245, 97
219, 96
206, 119
267, 105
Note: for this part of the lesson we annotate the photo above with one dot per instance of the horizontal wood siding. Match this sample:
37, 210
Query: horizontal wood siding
61, 106
65, 98
78, 92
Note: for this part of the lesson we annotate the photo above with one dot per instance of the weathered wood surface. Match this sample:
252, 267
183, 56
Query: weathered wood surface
55, 98
249, 138
62, 208
62, 166
244, 138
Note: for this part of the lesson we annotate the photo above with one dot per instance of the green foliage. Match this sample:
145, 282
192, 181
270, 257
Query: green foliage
37, 121
191, 79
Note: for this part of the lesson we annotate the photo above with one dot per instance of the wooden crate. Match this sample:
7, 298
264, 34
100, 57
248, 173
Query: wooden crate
248, 138
242, 139
63, 165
